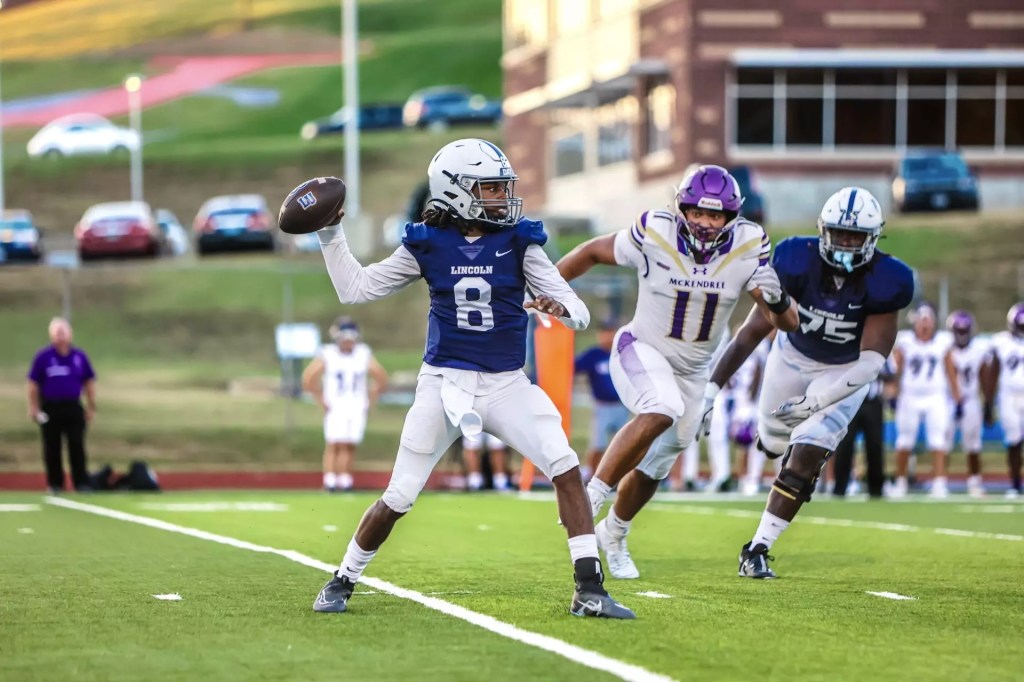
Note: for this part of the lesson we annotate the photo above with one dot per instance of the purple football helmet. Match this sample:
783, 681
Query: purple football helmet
708, 187
961, 324
1015, 319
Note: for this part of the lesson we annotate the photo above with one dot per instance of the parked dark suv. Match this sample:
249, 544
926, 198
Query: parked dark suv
934, 181
448, 105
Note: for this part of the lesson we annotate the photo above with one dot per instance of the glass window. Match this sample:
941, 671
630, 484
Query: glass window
870, 122
933, 77
569, 154
926, 122
1015, 123
755, 76
865, 77
803, 121
754, 120
615, 131
973, 77
609, 8
661, 102
975, 123
1015, 77
805, 77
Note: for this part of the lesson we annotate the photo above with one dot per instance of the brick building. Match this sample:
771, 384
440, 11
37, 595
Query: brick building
608, 101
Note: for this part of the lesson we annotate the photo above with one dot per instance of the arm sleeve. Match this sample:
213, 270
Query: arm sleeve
864, 371
357, 284
542, 277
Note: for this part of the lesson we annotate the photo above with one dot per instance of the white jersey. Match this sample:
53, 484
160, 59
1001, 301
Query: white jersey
1009, 349
345, 376
924, 364
683, 307
968, 362
741, 384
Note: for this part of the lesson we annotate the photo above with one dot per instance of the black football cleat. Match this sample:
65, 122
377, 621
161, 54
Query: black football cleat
754, 562
334, 596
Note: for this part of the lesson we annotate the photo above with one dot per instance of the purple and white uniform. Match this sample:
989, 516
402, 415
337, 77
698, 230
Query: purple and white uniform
661, 360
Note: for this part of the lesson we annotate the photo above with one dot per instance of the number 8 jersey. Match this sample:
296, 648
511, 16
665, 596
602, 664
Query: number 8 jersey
833, 307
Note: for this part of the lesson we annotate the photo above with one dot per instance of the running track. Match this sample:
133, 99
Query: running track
184, 76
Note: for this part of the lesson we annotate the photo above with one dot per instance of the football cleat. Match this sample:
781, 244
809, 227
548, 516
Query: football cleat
596, 603
620, 564
754, 562
334, 596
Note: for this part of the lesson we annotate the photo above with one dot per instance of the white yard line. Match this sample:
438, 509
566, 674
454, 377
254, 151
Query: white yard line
826, 521
174, 596
892, 595
215, 506
654, 595
585, 657
19, 507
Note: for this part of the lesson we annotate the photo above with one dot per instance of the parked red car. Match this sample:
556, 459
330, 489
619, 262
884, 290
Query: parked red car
123, 228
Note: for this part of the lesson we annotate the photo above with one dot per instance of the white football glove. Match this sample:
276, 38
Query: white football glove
795, 411
766, 279
710, 393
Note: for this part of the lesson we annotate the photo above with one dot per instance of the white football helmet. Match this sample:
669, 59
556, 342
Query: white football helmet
457, 171
851, 210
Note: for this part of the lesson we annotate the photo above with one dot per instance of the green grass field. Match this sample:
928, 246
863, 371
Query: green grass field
77, 598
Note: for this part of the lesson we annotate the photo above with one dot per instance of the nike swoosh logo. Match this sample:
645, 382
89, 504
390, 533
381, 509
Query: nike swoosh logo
856, 307
499, 254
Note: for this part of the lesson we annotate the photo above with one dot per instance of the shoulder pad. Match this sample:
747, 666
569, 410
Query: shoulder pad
890, 284
531, 232
792, 253
416, 236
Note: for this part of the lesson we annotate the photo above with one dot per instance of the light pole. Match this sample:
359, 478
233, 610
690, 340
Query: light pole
350, 55
133, 86
2, 205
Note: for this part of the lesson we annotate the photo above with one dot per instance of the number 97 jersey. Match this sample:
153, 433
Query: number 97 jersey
833, 305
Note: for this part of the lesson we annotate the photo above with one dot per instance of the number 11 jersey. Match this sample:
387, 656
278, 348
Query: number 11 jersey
834, 306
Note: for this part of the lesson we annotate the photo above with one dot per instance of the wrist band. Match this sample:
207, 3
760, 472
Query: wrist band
781, 306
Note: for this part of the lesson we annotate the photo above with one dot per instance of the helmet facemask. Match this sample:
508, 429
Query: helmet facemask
705, 240
960, 324
847, 247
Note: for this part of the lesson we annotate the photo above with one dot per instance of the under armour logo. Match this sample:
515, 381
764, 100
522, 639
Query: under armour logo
700, 271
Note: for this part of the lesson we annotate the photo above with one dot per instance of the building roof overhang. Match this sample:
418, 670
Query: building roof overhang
877, 58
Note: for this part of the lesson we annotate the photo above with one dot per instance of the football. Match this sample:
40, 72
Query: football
313, 205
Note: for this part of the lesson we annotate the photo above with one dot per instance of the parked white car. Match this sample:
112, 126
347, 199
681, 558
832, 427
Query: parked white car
81, 134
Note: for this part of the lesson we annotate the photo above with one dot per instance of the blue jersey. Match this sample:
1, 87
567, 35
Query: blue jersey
594, 363
477, 288
832, 316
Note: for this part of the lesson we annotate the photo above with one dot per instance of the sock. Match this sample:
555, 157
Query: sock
598, 491
901, 482
586, 473
354, 563
974, 481
330, 480
617, 526
939, 482
769, 530
475, 481
345, 481
583, 547
500, 481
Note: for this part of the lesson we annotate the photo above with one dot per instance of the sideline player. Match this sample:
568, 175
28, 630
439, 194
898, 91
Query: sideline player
1007, 372
966, 360
478, 257
816, 377
337, 380
924, 379
693, 266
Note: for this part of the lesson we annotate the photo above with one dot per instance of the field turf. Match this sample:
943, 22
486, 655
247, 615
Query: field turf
476, 587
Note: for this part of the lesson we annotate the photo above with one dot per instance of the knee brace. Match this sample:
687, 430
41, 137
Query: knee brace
794, 486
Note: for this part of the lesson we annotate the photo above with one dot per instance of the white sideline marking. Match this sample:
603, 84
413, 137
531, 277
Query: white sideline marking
585, 657
483, 527
173, 596
330, 529
215, 506
654, 595
848, 523
992, 509
25, 531
892, 595
19, 507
